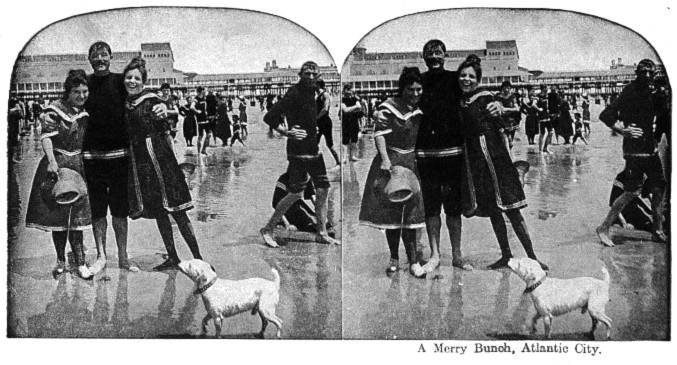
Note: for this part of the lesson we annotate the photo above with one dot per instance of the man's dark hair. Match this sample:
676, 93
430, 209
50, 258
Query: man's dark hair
200, 89
506, 83
165, 86
309, 64
432, 44
98, 46
645, 65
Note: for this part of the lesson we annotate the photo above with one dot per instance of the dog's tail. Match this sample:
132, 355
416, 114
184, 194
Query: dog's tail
276, 276
606, 276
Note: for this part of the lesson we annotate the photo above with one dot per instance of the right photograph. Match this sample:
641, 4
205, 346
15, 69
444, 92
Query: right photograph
506, 177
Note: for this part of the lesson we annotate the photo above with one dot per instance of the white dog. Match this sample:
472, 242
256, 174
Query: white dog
553, 297
225, 298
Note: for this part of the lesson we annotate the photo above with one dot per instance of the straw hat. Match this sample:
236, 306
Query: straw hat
402, 185
66, 188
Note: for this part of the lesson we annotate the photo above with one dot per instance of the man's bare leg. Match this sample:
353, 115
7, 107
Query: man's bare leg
321, 215
454, 225
657, 197
432, 227
614, 211
353, 152
99, 228
120, 229
282, 207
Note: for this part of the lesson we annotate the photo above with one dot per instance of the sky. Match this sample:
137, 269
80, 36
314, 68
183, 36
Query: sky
202, 40
547, 40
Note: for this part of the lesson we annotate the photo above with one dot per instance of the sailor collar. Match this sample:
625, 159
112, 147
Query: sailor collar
134, 102
204, 288
60, 110
535, 285
475, 96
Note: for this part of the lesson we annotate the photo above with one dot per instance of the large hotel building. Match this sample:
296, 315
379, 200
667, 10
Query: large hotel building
376, 73
42, 76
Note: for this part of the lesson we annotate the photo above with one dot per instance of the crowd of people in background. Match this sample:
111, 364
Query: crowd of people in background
206, 114
641, 113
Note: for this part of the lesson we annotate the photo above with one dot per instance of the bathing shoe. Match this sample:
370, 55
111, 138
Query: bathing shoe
128, 266
267, 236
500, 264
84, 273
327, 239
659, 236
59, 269
169, 264
417, 271
392, 266
431, 265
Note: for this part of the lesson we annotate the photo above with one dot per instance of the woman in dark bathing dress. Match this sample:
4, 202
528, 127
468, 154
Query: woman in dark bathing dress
395, 136
491, 185
189, 122
62, 142
157, 187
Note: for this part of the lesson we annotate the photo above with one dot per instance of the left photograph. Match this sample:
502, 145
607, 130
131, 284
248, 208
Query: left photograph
172, 174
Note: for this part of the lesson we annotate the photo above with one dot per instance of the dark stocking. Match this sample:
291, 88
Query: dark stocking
75, 238
165, 227
409, 239
520, 227
59, 239
186, 229
393, 237
501, 233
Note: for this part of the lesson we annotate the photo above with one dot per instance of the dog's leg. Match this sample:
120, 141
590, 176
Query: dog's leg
533, 323
204, 323
264, 324
547, 322
276, 321
595, 322
217, 324
607, 322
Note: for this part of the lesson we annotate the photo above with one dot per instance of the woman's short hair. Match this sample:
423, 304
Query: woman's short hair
137, 63
408, 76
474, 62
74, 79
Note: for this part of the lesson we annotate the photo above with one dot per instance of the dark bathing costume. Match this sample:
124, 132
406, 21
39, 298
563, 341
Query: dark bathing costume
105, 146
